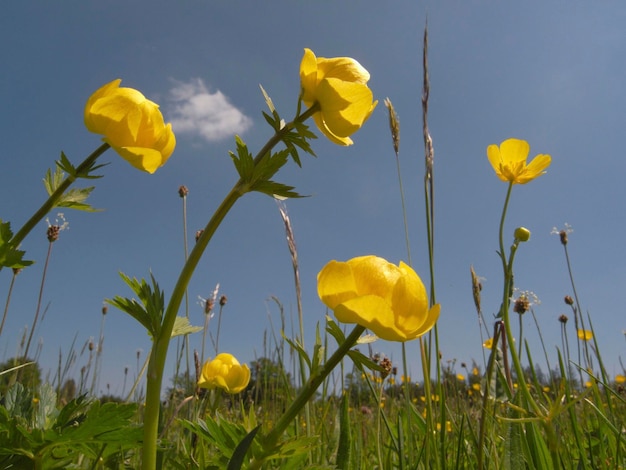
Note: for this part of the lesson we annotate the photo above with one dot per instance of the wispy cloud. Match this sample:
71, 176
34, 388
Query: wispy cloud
197, 111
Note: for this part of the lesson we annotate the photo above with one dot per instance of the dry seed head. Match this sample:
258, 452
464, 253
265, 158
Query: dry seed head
105, 309
568, 300
53, 233
563, 319
562, 233
385, 363
394, 126
476, 288
183, 191
521, 305
223, 300
198, 235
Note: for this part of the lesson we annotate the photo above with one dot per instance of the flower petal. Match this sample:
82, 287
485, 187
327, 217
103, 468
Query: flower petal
336, 284
514, 150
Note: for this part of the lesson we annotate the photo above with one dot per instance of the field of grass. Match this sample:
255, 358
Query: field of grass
333, 404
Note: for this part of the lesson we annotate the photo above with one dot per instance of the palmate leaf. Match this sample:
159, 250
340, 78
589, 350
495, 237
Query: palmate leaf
72, 198
65, 165
10, 257
244, 163
183, 327
150, 311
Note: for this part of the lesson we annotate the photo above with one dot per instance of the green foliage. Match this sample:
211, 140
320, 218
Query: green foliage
65, 165
18, 369
35, 434
10, 257
150, 311
256, 175
72, 198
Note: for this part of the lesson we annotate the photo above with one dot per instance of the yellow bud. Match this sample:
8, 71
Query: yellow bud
522, 234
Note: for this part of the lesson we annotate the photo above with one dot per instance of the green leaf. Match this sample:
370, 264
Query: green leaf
244, 163
73, 198
10, 257
183, 327
344, 446
274, 189
236, 461
295, 345
65, 165
150, 311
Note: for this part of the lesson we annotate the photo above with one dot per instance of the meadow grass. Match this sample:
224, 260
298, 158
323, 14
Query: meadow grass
333, 403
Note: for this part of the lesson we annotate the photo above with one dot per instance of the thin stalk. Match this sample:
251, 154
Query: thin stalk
429, 200
81, 171
308, 390
16, 271
505, 315
577, 311
38, 310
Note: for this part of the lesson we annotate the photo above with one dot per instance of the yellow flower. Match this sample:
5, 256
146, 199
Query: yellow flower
585, 335
620, 379
475, 371
131, 124
509, 161
224, 372
460, 377
488, 344
390, 300
476, 386
339, 87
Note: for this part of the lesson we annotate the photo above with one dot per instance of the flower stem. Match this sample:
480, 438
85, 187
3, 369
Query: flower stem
160, 345
81, 170
308, 390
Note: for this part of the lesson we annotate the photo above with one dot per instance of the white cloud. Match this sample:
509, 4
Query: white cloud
199, 112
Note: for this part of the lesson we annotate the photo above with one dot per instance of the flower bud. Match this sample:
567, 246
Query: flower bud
131, 124
522, 234
226, 373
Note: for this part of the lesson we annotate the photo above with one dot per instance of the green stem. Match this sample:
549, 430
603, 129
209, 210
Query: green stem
160, 345
308, 390
501, 232
81, 171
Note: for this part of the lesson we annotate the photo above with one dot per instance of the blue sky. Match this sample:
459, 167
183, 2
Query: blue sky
551, 73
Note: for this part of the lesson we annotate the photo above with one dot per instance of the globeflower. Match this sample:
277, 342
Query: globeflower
584, 335
339, 87
389, 300
509, 161
225, 372
131, 124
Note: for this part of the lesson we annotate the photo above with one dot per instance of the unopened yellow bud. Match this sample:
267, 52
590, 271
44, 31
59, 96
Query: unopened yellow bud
522, 234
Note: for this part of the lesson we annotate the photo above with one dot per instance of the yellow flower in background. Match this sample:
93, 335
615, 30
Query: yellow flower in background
226, 373
509, 161
339, 86
460, 377
620, 379
488, 344
131, 124
585, 335
389, 300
